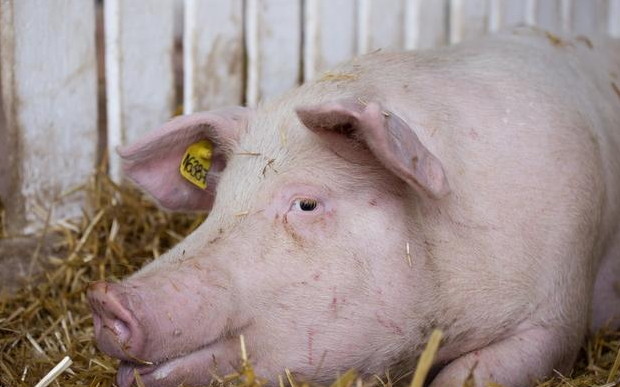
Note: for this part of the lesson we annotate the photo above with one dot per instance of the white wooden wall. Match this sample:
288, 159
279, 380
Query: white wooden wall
139, 73
49, 96
234, 51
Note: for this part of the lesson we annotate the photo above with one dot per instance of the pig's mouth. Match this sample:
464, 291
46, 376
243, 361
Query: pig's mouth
150, 374
125, 375
180, 365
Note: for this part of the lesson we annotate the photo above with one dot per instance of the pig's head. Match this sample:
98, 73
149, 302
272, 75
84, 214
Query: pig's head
313, 213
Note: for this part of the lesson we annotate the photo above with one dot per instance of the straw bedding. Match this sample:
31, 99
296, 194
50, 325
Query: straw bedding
48, 319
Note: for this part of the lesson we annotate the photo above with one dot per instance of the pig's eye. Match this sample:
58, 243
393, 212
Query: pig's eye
305, 205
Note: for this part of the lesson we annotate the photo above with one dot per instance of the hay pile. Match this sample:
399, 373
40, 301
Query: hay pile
49, 318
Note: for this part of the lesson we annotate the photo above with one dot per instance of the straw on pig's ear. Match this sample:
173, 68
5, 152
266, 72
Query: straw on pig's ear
153, 162
391, 140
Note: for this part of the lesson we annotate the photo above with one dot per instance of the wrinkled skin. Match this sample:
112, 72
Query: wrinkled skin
499, 174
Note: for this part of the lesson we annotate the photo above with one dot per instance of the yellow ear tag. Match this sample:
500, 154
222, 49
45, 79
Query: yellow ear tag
196, 163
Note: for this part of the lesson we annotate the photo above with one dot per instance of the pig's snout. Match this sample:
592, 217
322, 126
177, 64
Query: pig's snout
116, 329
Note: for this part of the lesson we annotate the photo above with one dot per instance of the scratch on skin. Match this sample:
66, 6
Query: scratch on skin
473, 134
214, 240
471, 226
174, 285
197, 266
428, 248
334, 304
311, 333
391, 325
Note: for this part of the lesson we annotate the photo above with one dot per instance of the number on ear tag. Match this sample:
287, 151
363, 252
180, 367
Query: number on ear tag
196, 163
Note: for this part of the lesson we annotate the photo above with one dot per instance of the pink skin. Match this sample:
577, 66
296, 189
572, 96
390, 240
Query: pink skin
503, 180
186, 326
164, 314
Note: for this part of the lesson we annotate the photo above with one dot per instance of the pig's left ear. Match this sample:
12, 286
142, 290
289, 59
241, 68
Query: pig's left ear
154, 162
387, 136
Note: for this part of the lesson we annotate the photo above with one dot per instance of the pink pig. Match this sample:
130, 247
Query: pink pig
474, 189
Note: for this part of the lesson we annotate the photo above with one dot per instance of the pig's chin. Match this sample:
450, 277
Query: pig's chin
190, 369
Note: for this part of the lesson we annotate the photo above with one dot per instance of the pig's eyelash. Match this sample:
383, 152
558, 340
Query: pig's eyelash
304, 205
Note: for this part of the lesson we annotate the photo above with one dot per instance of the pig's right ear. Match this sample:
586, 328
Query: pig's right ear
153, 162
387, 136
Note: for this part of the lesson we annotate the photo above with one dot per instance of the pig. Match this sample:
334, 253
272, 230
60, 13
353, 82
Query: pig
473, 189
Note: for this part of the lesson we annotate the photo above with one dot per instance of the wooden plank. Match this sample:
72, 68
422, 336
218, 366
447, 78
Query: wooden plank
551, 15
531, 8
139, 45
507, 14
614, 18
329, 34
426, 23
49, 97
495, 15
381, 25
273, 38
468, 19
213, 54
547, 14
566, 14
589, 17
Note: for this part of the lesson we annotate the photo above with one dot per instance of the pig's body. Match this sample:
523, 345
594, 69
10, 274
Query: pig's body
510, 208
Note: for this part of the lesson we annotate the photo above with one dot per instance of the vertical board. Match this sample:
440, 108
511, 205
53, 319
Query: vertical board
139, 44
426, 23
589, 17
213, 54
49, 96
531, 7
381, 25
547, 14
614, 18
273, 38
329, 34
507, 13
468, 19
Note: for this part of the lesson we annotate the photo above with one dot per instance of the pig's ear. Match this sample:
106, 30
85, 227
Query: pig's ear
154, 161
387, 136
